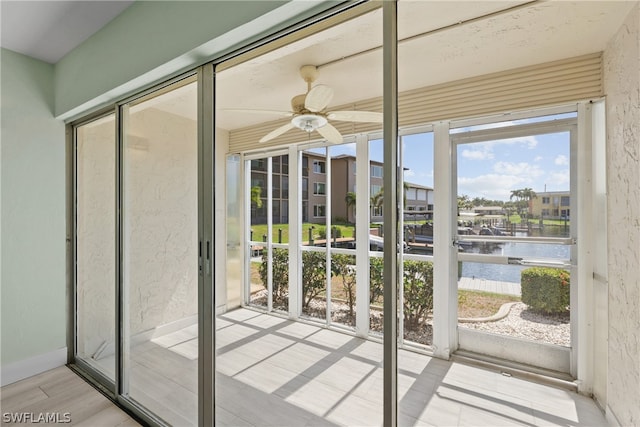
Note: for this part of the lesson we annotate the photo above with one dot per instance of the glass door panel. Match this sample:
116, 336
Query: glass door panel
95, 244
317, 236
515, 239
375, 194
259, 265
417, 258
293, 367
160, 252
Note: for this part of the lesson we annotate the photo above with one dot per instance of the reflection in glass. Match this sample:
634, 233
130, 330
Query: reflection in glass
95, 243
160, 241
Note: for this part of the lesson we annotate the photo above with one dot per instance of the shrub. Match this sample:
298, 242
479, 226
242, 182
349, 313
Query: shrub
545, 289
418, 292
280, 289
314, 275
335, 232
344, 267
376, 281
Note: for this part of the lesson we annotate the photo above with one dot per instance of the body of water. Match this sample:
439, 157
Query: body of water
511, 273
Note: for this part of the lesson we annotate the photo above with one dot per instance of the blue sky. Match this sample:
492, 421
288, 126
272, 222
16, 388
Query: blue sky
488, 169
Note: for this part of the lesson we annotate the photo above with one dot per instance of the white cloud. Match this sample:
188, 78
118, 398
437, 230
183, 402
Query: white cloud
523, 170
561, 160
485, 150
538, 158
409, 173
491, 186
477, 154
558, 181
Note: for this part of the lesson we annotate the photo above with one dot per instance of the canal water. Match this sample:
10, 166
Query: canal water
511, 273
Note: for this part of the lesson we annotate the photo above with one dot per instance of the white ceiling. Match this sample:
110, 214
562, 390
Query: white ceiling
48, 30
535, 32
461, 39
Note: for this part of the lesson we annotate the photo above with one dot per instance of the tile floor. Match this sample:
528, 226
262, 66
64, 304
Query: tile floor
275, 372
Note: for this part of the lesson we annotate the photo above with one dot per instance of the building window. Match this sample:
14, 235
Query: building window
354, 168
422, 195
412, 194
422, 208
376, 171
375, 189
319, 211
411, 208
305, 188
545, 200
259, 165
430, 207
319, 188
319, 166
564, 201
285, 187
376, 211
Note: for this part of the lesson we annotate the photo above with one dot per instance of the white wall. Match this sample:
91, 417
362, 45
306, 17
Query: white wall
160, 217
33, 213
622, 88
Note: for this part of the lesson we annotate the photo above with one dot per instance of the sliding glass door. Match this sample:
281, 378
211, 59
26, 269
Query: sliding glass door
95, 273
160, 252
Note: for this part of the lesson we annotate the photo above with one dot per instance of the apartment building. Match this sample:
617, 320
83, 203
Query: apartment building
551, 205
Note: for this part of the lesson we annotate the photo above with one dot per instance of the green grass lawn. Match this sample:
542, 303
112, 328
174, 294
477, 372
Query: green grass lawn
259, 230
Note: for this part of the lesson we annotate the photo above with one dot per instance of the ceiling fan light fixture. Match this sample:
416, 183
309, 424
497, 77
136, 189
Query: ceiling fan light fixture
309, 122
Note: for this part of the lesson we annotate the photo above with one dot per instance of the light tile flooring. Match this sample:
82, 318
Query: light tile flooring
63, 396
275, 372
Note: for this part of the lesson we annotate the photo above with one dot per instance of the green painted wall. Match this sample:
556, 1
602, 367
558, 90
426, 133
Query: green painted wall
152, 40
147, 43
33, 212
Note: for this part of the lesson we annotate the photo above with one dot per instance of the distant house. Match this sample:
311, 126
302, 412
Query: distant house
489, 210
551, 205
418, 202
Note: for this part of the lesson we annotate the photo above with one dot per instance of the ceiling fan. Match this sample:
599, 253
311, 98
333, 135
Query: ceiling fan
309, 111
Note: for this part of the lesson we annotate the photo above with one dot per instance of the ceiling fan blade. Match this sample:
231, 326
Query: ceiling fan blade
318, 98
355, 116
276, 132
250, 111
330, 133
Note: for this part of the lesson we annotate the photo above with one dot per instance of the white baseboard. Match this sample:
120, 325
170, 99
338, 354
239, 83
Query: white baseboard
22, 369
612, 420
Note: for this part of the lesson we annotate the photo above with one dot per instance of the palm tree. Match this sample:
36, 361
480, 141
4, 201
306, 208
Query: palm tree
523, 197
378, 198
350, 200
464, 203
256, 192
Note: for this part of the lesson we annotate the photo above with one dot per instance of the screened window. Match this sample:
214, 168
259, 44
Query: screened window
319, 188
319, 166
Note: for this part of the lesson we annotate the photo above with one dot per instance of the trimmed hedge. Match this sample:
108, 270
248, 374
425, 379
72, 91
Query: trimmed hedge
545, 289
417, 281
418, 293
280, 277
